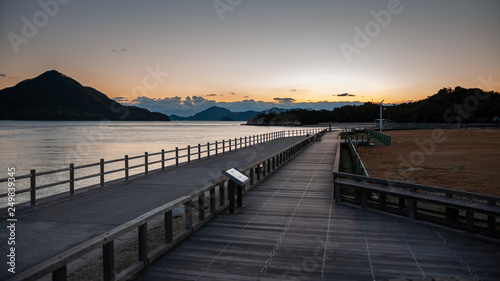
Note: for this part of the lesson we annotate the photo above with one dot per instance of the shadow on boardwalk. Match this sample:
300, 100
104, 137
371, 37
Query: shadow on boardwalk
291, 229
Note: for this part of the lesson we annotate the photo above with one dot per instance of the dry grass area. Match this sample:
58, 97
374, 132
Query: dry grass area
458, 159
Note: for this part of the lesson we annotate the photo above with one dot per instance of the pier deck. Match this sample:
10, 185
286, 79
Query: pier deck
49, 228
291, 229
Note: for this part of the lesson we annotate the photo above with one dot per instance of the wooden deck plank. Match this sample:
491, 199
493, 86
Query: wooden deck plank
290, 228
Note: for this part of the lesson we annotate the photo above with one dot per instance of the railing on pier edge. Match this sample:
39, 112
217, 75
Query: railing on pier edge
359, 167
472, 212
180, 155
386, 139
257, 172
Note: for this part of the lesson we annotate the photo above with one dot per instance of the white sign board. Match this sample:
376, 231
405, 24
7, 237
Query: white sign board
237, 176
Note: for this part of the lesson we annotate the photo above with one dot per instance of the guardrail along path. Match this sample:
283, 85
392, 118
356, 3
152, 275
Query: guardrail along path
291, 229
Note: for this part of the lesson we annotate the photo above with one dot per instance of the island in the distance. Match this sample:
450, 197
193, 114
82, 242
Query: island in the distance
55, 96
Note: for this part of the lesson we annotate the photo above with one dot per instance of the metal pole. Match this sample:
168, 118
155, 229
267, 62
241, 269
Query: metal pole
231, 187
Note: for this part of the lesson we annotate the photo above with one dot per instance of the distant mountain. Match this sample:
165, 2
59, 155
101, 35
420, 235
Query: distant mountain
216, 113
55, 96
175, 117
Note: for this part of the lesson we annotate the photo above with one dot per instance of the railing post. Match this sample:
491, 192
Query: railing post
222, 195
201, 207
469, 222
71, 179
146, 163
108, 261
143, 243
251, 175
169, 227
364, 197
491, 219
451, 213
229, 145
336, 190
258, 172
216, 149
382, 201
208, 149
189, 153
223, 146
411, 208
401, 204
199, 152
246, 141
212, 201
188, 215
176, 156
240, 196
163, 159
102, 172
126, 167
60, 274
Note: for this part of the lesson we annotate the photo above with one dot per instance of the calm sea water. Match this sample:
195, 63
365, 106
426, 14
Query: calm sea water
49, 145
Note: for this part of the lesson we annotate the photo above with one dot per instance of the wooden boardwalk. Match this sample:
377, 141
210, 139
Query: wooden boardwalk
57, 225
290, 229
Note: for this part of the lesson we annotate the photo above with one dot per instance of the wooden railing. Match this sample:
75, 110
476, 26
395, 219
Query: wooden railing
357, 139
166, 159
257, 171
472, 212
357, 163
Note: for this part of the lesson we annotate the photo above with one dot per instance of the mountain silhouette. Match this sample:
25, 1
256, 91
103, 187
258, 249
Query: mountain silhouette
55, 96
217, 113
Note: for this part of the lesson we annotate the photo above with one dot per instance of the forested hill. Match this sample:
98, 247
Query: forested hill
55, 96
447, 106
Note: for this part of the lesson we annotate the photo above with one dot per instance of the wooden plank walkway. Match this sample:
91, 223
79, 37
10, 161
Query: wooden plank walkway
290, 229
57, 225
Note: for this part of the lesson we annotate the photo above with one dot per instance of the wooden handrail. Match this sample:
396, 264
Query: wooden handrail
421, 202
194, 153
406, 185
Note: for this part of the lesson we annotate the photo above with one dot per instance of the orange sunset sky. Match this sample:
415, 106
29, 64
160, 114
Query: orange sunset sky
270, 51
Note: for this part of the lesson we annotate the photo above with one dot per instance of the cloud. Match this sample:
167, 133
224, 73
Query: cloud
191, 105
285, 100
345, 95
3, 75
211, 95
232, 93
121, 99
120, 50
